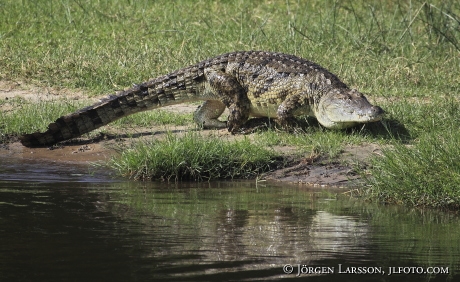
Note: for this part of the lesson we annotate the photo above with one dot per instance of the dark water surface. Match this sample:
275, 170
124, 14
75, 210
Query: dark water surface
59, 223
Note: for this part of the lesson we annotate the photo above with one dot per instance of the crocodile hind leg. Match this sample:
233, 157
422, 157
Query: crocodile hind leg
232, 95
206, 115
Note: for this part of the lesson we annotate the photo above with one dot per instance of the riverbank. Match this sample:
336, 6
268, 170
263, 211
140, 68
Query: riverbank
382, 160
307, 169
339, 173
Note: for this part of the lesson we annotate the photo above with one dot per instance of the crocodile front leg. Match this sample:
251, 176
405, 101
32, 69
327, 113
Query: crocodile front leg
292, 106
232, 95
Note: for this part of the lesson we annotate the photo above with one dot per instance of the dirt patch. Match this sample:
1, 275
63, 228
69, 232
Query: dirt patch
70, 154
12, 89
317, 172
310, 170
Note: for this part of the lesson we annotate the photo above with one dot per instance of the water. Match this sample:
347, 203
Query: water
59, 223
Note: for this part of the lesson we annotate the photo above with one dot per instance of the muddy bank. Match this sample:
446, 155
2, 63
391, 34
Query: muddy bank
315, 172
319, 172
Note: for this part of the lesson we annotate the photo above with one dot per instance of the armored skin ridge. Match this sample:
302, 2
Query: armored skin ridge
248, 83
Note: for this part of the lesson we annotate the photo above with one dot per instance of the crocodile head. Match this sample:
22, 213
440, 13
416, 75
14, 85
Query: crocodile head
345, 108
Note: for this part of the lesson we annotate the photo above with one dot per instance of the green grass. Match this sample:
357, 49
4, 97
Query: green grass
385, 47
405, 53
29, 117
193, 157
425, 172
425, 175
313, 139
155, 117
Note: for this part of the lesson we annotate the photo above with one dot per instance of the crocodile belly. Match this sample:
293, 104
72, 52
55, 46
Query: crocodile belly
267, 110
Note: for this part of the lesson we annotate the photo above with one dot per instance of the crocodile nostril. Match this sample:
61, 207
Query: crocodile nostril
377, 110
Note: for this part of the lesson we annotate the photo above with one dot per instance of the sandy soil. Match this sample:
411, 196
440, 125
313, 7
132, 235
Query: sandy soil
310, 170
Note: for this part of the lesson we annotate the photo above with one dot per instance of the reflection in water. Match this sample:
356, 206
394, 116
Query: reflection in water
338, 234
223, 231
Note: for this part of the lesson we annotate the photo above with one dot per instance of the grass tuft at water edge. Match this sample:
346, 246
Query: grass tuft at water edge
194, 157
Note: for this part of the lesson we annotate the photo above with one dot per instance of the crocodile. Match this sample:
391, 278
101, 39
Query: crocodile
248, 83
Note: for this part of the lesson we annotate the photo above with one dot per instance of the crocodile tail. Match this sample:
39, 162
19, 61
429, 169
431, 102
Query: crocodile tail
73, 125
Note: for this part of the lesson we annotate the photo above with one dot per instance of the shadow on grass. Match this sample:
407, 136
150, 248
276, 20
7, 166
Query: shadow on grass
386, 129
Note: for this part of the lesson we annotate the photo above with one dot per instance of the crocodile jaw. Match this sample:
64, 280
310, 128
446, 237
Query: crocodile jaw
345, 108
